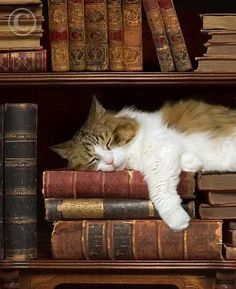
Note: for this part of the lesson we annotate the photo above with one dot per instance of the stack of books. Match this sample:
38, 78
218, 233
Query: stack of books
218, 191
108, 216
220, 53
107, 35
20, 34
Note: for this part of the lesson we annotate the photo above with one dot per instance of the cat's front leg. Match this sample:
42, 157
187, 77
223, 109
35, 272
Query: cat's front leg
162, 176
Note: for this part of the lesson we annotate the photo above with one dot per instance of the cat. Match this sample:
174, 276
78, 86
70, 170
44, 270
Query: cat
187, 135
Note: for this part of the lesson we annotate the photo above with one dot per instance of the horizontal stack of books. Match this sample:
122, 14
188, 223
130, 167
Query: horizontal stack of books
108, 216
218, 192
20, 35
107, 35
220, 53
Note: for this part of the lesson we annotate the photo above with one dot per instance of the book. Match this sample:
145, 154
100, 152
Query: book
136, 240
20, 180
160, 40
208, 212
115, 35
220, 48
132, 29
230, 237
122, 184
220, 198
222, 36
23, 61
76, 34
96, 39
216, 181
229, 252
24, 26
59, 35
1, 183
101, 208
231, 225
214, 21
7, 10
17, 2
175, 35
217, 63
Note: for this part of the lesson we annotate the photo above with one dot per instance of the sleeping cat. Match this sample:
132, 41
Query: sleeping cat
187, 135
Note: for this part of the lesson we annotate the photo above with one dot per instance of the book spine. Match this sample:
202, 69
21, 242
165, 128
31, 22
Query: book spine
229, 252
175, 35
216, 182
59, 39
20, 181
230, 237
28, 61
159, 36
1, 183
72, 209
123, 184
132, 27
115, 35
96, 35
120, 240
76, 34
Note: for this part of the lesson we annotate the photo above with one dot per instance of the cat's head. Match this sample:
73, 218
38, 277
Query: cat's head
100, 144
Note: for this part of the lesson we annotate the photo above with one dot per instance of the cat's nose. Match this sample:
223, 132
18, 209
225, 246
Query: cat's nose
110, 160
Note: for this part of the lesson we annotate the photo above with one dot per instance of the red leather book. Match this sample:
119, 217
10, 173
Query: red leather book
123, 184
136, 240
23, 61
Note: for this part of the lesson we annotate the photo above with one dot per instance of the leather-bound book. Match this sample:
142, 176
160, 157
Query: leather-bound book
17, 2
76, 34
216, 181
230, 237
159, 36
208, 212
23, 61
115, 35
89, 184
175, 35
59, 35
136, 240
20, 180
96, 35
220, 198
229, 252
132, 25
113, 209
1, 183
231, 225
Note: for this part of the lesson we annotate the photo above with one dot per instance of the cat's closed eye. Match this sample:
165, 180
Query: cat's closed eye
93, 161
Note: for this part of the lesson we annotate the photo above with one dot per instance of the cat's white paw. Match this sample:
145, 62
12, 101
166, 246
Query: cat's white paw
190, 162
178, 220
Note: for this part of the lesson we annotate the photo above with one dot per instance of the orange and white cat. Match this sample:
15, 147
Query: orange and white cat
187, 135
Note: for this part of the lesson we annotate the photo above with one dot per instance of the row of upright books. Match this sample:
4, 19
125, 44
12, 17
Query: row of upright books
220, 48
20, 35
107, 35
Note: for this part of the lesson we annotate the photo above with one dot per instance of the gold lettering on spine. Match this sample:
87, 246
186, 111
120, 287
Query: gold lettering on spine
82, 209
185, 240
151, 210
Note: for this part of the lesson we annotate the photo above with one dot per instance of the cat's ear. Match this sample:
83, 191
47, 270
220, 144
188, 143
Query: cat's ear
63, 149
126, 129
96, 109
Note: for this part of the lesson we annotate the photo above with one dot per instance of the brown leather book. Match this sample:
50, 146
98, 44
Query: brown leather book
209, 212
159, 36
231, 225
132, 25
123, 184
59, 38
136, 239
100, 208
175, 35
216, 63
229, 252
216, 181
23, 61
96, 35
76, 34
220, 198
230, 237
115, 35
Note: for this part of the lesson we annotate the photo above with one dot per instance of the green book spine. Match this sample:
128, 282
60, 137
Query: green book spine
20, 181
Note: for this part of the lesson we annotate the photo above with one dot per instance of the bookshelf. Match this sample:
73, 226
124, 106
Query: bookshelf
64, 100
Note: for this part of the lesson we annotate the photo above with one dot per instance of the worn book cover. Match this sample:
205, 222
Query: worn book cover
20, 180
159, 36
226, 21
208, 212
59, 35
175, 35
229, 252
230, 237
220, 198
76, 34
216, 181
122, 184
101, 208
136, 240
